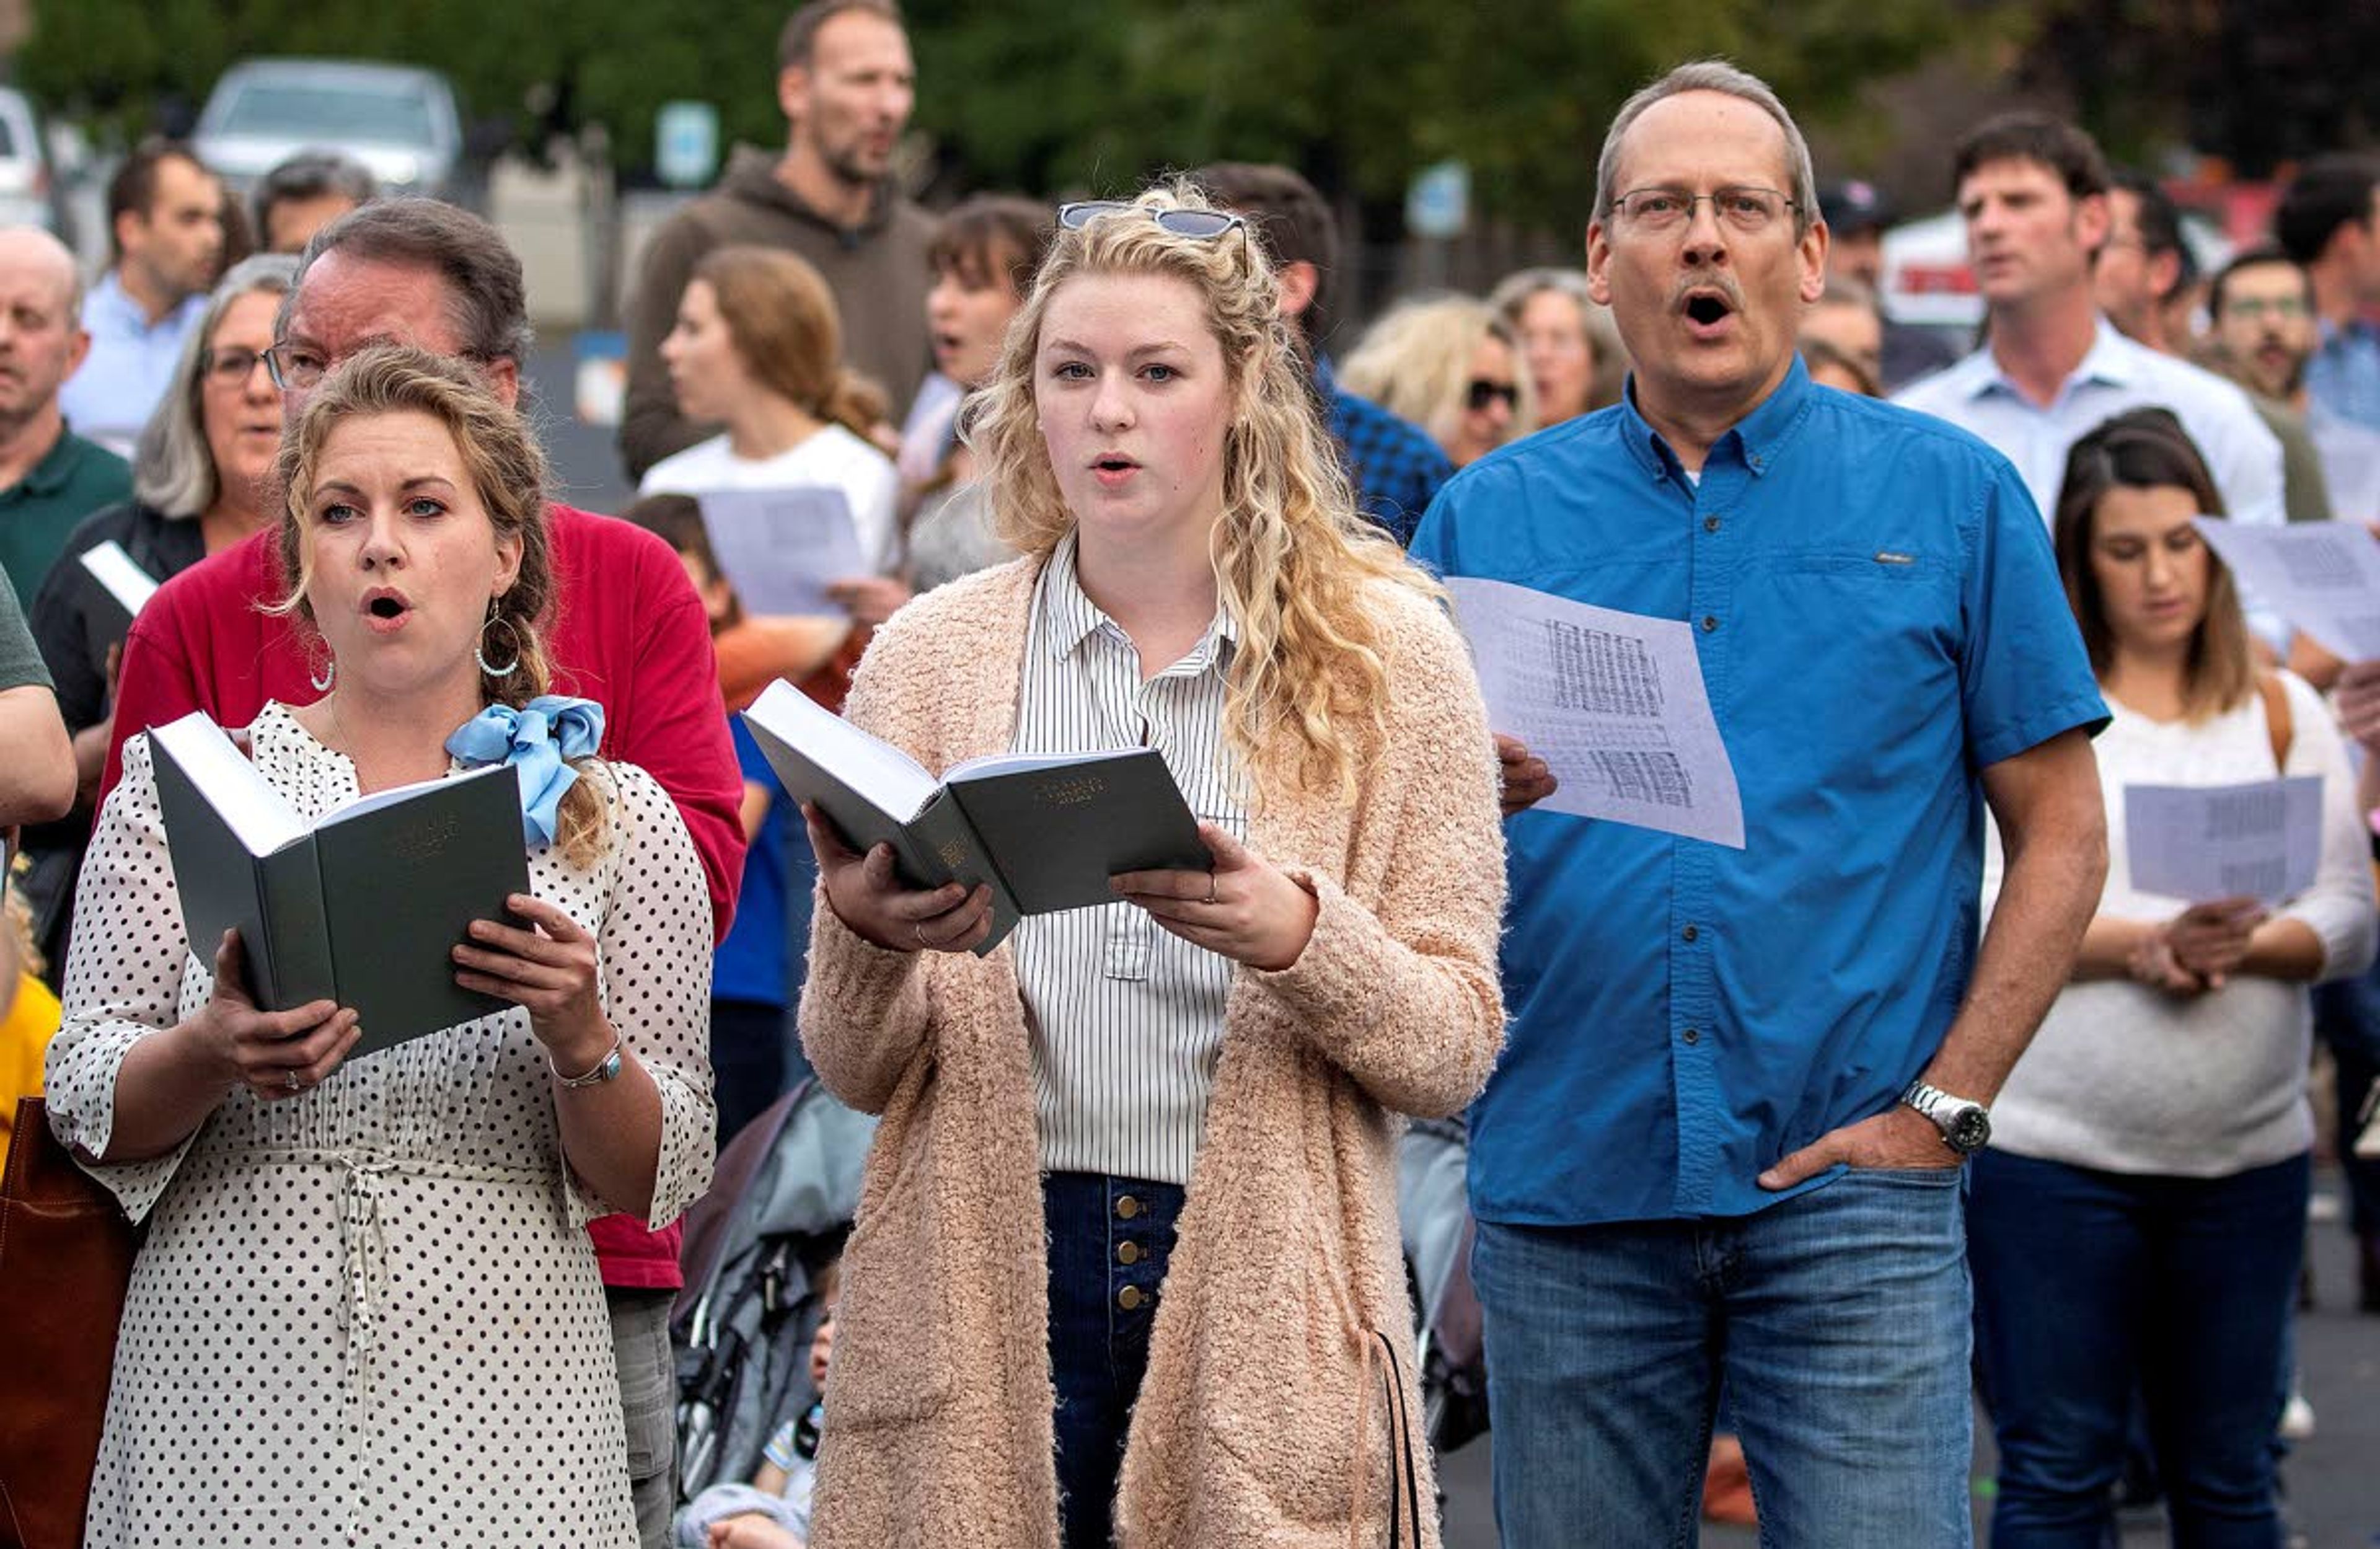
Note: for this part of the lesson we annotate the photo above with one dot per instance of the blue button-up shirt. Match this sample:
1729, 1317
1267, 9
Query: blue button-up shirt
1879, 618
2344, 375
110, 395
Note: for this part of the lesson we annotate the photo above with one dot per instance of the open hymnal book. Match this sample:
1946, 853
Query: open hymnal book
125, 585
364, 906
1045, 830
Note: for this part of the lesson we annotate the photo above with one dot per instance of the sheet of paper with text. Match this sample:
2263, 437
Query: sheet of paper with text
2323, 576
2259, 840
1613, 702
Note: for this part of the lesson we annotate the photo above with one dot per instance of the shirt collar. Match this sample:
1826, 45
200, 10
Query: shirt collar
1759, 437
1068, 616
2112, 361
51, 475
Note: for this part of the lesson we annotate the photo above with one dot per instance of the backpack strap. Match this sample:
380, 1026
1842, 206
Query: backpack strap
2279, 725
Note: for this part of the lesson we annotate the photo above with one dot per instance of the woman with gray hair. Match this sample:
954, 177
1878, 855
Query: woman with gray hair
1569, 345
198, 485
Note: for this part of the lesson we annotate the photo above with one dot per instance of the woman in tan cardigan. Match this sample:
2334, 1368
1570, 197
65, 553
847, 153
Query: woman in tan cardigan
1127, 1257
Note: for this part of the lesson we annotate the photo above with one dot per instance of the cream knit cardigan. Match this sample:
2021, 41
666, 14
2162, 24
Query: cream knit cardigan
1262, 1365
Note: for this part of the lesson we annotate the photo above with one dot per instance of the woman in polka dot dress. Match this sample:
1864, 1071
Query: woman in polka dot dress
366, 1311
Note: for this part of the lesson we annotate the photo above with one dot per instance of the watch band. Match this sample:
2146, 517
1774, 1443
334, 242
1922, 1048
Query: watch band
606, 1070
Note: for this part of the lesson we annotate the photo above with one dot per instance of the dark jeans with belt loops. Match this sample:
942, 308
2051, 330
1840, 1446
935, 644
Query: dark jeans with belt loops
1109, 1241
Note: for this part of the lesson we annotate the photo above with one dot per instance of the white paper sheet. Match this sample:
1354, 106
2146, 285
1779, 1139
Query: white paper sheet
2200, 843
2324, 578
1612, 701
780, 548
126, 581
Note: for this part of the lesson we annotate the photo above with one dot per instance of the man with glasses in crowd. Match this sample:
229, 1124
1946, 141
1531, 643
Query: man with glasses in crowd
627, 630
2142, 276
2265, 336
1723, 1147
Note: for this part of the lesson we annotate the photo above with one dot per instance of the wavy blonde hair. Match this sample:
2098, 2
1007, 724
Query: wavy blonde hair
1294, 561
508, 473
1415, 362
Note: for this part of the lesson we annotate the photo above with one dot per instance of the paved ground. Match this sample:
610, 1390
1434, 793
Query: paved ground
2333, 1478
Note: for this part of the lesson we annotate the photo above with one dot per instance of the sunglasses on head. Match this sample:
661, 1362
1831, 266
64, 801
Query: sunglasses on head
1201, 225
1482, 392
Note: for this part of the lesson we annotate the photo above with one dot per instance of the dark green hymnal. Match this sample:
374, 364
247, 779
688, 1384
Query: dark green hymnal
1046, 830
363, 906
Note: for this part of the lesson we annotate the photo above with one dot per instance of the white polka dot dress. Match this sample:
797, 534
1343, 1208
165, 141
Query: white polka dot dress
370, 1314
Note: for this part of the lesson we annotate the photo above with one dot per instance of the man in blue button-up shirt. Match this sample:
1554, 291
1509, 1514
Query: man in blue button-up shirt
1695, 1163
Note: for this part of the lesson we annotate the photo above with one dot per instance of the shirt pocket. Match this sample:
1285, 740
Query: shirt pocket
1861, 640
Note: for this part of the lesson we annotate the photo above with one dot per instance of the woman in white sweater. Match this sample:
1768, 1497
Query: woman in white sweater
2139, 1222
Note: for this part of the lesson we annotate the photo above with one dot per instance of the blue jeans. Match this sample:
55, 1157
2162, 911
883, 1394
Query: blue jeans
1109, 1241
2091, 1285
1838, 1320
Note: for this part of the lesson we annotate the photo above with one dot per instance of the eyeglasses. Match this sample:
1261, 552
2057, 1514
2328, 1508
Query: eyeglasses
2254, 307
295, 367
1746, 209
300, 368
1206, 226
1482, 392
230, 366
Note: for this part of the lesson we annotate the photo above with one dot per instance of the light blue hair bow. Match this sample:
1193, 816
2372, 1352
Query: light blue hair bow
536, 740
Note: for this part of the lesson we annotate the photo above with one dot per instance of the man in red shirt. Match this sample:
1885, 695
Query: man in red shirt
627, 630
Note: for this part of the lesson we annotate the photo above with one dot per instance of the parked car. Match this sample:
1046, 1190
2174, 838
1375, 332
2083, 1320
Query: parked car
399, 121
29, 194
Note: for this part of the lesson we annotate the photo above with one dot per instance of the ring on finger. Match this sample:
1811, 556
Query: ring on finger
1210, 890
919, 930
289, 1079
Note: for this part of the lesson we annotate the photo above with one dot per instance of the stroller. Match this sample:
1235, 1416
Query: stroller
780, 1205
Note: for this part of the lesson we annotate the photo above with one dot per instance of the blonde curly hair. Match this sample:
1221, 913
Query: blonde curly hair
508, 473
1293, 561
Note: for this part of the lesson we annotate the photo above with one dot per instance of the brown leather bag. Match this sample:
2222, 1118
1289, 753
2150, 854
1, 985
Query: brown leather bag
65, 1261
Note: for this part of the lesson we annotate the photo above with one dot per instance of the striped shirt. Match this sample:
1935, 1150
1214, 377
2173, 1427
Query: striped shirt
1126, 1020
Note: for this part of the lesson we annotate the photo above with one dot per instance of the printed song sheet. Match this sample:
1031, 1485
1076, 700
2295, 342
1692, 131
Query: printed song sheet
2323, 576
780, 548
2260, 840
1612, 701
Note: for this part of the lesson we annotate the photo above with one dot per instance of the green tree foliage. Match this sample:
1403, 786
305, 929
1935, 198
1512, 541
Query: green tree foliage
1046, 94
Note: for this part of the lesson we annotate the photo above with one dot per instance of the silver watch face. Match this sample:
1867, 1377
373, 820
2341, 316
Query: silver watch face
1969, 1130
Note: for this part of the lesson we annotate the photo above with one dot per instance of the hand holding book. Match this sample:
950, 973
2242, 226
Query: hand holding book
866, 894
545, 964
277, 1053
1245, 907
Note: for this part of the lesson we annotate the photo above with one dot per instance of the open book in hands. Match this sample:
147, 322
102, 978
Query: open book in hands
1044, 830
363, 906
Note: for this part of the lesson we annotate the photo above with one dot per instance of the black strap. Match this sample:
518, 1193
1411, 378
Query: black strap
1399, 1450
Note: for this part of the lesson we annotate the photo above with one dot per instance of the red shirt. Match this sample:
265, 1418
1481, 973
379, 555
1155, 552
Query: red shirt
627, 631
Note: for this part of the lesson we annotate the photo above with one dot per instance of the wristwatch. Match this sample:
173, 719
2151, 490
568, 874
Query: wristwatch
606, 1070
1966, 1127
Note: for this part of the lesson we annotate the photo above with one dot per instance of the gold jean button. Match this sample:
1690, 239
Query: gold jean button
1127, 1207
1128, 1253
1129, 1298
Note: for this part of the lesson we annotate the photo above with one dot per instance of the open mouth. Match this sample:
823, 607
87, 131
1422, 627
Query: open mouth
1706, 309
386, 608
